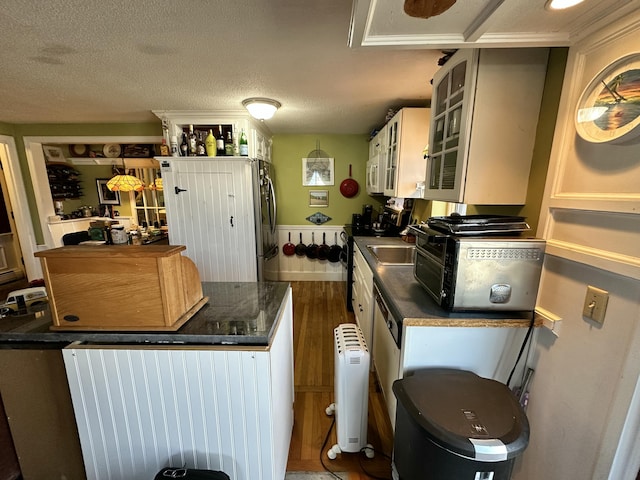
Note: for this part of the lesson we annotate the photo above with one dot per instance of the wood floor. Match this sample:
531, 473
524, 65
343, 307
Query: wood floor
319, 307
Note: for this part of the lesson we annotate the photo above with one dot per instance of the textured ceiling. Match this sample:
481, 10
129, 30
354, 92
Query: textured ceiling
113, 61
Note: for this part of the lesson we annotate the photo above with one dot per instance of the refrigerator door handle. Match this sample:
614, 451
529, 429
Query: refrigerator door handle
272, 219
272, 254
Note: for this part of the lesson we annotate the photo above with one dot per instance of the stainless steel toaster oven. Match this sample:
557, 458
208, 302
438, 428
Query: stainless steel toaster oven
478, 272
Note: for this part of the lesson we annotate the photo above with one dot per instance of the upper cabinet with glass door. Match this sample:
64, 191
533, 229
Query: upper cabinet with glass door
375, 164
407, 134
485, 109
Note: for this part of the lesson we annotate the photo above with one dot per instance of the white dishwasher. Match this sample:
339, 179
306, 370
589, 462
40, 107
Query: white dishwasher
386, 355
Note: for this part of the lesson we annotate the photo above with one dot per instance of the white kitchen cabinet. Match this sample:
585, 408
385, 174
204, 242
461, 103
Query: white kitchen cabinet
362, 297
260, 145
375, 164
226, 408
407, 135
212, 215
484, 110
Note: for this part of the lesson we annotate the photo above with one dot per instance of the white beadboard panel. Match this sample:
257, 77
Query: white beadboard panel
294, 268
142, 409
214, 217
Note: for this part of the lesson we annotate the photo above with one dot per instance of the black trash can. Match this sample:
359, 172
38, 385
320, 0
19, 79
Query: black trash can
453, 424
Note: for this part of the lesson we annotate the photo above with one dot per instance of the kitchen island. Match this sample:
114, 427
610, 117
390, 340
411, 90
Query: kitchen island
215, 394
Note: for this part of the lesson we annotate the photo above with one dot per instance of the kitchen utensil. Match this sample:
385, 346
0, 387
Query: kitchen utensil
312, 248
323, 249
349, 187
289, 248
335, 250
301, 248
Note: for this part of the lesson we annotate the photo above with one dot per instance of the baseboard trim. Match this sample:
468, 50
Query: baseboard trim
311, 277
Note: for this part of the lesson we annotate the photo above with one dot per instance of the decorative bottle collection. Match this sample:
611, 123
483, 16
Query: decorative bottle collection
212, 141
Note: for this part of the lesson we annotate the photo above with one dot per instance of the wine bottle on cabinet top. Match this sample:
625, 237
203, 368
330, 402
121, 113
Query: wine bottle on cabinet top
210, 144
200, 148
193, 142
228, 145
244, 146
220, 141
174, 145
184, 146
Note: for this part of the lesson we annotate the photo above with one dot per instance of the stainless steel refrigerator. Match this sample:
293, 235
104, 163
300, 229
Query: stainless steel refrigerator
223, 209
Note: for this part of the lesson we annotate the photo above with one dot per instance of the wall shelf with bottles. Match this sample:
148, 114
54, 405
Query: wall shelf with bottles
64, 181
257, 133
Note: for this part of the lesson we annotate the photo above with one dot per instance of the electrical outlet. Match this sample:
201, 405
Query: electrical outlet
595, 304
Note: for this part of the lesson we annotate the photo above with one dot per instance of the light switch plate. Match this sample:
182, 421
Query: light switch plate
595, 304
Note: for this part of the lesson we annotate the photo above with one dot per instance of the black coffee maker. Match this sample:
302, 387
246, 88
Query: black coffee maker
367, 216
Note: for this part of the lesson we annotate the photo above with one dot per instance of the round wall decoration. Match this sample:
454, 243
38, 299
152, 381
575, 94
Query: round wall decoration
79, 150
609, 108
112, 150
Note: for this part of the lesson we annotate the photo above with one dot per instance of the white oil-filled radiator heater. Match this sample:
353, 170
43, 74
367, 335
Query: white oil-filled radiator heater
351, 391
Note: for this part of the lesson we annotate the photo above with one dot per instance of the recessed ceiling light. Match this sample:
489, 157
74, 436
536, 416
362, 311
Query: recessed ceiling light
561, 4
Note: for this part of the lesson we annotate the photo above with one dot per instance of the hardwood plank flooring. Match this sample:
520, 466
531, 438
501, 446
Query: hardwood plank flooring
319, 307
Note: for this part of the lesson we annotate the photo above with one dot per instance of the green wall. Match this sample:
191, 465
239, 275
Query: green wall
6, 129
293, 197
542, 147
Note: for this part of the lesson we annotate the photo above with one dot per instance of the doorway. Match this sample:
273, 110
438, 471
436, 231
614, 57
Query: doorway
16, 231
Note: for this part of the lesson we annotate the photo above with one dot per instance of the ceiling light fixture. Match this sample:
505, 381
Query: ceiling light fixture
261, 108
561, 4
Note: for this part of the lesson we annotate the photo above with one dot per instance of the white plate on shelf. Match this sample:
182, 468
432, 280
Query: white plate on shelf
112, 150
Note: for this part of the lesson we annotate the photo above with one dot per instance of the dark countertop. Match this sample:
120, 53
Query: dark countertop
236, 314
409, 302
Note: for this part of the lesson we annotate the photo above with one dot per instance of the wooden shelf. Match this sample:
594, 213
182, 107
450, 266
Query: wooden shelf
119, 162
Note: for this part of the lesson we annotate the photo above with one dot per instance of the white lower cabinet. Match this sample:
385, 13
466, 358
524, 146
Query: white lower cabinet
220, 408
362, 298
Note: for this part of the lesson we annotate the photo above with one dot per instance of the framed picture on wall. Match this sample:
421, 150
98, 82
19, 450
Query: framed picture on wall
106, 196
317, 172
318, 198
53, 154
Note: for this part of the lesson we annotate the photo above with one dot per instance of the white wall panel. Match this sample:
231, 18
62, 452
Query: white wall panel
294, 268
141, 410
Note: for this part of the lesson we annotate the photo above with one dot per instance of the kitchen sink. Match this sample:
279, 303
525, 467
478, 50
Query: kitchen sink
392, 254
